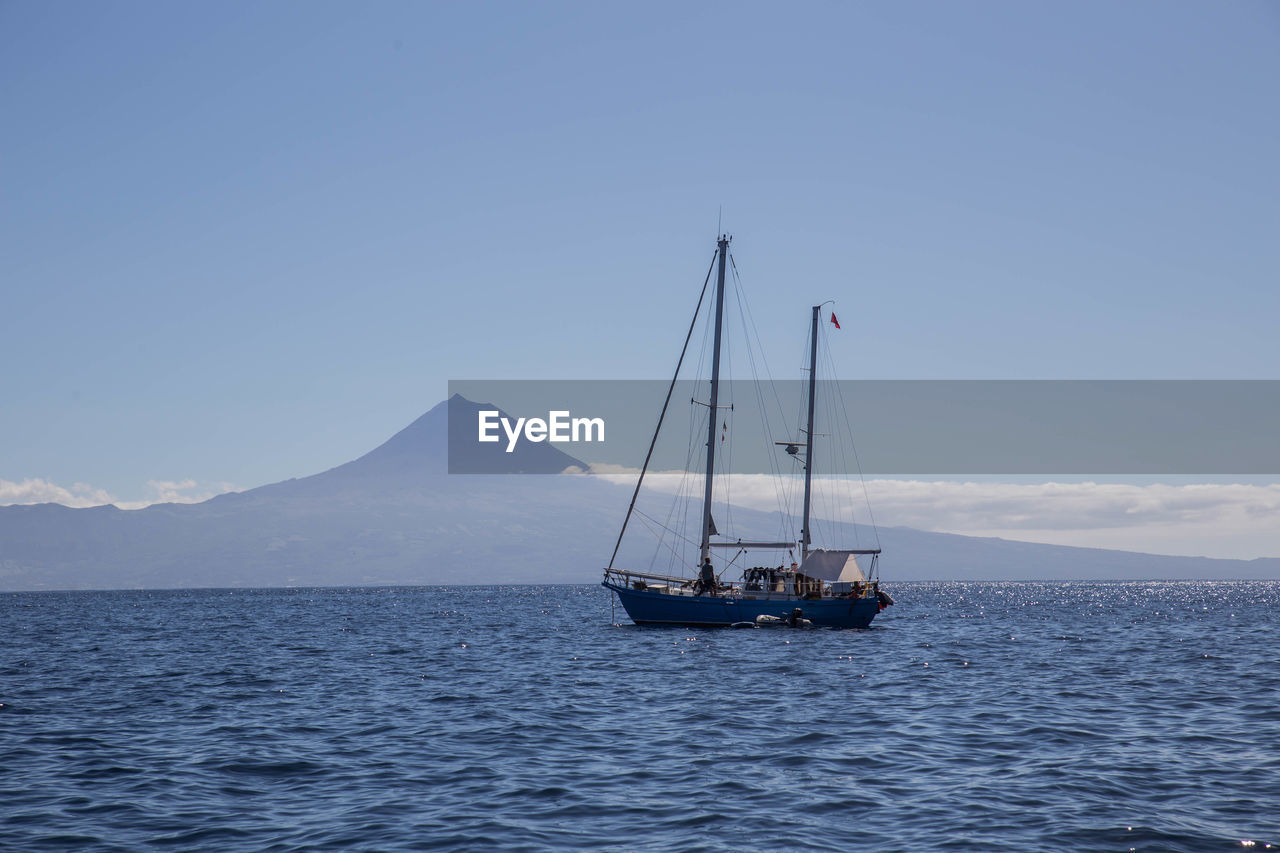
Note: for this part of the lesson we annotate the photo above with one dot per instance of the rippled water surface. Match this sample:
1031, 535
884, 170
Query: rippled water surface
1135, 716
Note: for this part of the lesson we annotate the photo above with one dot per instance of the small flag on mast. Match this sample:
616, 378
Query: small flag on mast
834, 321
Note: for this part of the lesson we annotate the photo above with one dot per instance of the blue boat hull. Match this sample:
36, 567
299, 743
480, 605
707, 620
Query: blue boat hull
657, 608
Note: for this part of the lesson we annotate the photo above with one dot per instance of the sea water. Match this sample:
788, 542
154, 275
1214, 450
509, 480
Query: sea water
972, 716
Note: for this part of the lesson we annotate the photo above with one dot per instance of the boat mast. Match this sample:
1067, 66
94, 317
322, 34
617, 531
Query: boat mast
713, 417
805, 538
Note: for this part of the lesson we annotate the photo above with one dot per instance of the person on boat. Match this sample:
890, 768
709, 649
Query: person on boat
706, 578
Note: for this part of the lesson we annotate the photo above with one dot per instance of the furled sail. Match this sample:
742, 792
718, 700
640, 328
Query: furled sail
833, 566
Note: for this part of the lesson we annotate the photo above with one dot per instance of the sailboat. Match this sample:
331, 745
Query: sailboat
827, 588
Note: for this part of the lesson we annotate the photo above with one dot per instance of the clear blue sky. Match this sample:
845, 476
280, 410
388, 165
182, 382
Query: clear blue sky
244, 241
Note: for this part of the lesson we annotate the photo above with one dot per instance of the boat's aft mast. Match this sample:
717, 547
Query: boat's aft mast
805, 538
714, 415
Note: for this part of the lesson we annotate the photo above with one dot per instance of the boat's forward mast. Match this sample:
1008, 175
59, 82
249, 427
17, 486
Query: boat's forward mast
722, 248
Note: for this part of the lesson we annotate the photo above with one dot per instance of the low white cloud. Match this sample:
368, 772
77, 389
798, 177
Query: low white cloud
185, 491
38, 491
1234, 520
1205, 519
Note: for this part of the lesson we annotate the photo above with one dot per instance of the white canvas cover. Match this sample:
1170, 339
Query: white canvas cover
833, 566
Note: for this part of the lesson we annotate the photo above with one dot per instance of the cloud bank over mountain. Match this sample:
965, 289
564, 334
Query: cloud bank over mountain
80, 495
1235, 520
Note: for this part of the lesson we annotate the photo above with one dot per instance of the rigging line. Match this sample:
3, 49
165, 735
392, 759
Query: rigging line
801, 420
853, 445
702, 371
846, 497
744, 309
663, 414
840, 486
827, 492
695, 455
679, 494
678, 505
759, 343
682, 497
825, 514
661, 539
741, 300
679, 500
674, 533
725, 448
780, 492
645, 522
667, 527
775, 471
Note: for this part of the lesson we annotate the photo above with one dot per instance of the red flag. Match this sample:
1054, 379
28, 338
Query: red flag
834, 321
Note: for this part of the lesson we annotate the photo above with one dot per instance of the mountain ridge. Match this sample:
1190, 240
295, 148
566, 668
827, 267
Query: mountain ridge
394, 516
